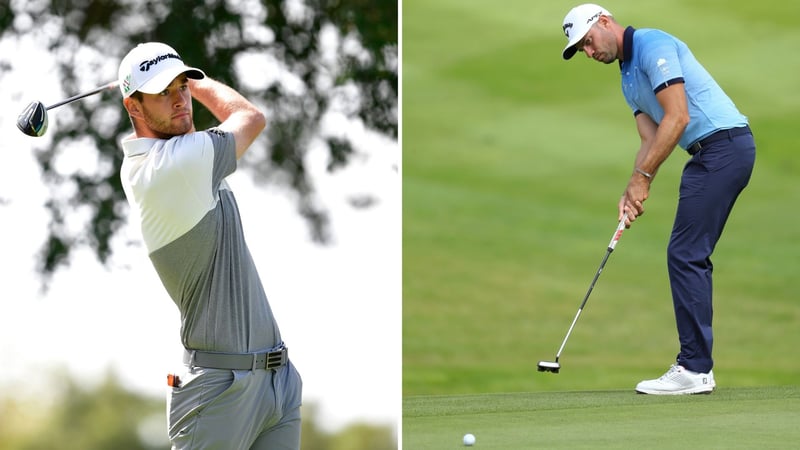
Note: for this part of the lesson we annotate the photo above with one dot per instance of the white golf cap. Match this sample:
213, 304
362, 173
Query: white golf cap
578, 22
151, 67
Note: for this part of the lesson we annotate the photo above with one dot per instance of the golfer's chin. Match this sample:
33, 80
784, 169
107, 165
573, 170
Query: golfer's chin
605, 59
175, 129
181, 125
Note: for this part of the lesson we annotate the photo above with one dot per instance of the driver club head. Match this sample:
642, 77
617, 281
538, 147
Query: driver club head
548, 366
33, 120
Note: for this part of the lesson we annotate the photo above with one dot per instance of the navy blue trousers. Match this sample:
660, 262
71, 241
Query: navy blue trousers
711, 182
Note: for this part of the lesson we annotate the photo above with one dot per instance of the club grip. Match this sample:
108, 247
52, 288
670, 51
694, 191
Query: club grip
617, 233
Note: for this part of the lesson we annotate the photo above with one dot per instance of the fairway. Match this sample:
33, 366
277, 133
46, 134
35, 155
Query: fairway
741, 418
513, 163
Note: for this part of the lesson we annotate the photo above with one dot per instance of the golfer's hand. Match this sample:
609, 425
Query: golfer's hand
632, 202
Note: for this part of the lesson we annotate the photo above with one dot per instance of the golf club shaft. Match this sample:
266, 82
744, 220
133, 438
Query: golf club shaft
611, 246
108, 86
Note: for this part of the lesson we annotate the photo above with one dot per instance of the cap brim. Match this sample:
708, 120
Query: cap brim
571, 49
160, 82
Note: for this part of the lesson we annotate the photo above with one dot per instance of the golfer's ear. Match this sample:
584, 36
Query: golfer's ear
133, 107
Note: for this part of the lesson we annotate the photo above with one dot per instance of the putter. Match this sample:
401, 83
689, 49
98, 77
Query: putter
555, 366
33, 120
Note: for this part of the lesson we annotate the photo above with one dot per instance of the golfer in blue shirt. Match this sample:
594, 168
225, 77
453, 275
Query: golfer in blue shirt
675, 102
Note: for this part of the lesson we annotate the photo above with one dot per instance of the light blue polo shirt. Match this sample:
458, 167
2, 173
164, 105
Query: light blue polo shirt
654, 60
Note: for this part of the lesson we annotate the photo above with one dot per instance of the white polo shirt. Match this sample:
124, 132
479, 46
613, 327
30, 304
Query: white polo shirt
193, 233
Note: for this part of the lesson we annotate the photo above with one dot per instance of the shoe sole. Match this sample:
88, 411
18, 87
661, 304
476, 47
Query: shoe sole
683, 392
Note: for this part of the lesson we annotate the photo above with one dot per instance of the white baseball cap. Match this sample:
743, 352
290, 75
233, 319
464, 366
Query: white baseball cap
151, 67
578, 22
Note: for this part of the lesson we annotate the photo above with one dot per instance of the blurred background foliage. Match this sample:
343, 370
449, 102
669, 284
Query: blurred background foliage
313, 66
302, 61
104, 415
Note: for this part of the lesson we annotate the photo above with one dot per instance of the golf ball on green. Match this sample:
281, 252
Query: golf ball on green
469, 440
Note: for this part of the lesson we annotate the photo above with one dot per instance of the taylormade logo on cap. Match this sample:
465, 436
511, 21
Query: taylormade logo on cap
151, 67
577, 23
144, 66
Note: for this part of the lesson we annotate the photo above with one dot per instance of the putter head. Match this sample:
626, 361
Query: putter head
548, 366
33, 120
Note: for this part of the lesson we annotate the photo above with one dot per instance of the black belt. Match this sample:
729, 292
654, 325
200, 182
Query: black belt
718, 136
271, 359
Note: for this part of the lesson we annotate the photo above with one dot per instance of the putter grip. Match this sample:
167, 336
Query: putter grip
617, 233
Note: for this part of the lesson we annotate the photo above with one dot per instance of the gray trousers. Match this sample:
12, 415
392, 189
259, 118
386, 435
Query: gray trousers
218, 409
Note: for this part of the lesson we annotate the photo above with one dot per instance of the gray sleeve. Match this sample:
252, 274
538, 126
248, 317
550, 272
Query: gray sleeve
224, 156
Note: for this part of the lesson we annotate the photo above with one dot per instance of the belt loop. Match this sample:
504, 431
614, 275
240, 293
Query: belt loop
192, 354
255, 361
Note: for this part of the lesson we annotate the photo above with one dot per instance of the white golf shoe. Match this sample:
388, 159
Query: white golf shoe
678, 381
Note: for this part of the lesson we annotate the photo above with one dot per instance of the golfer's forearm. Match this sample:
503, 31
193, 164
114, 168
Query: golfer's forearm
221, 100
647, 129
658, 141
667, 137
670, 128
235, 113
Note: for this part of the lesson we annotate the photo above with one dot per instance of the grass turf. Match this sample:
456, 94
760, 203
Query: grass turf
764, 417
513, 162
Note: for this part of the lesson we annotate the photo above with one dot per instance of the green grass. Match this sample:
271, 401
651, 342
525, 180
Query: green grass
513, 162
741, 418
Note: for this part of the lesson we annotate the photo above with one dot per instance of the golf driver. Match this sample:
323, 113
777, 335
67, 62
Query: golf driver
33, 120
554, 366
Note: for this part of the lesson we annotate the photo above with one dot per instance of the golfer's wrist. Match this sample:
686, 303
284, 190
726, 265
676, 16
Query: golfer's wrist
643, 173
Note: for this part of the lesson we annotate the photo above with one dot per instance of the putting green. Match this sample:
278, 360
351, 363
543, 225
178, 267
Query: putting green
513, 163
732, 418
